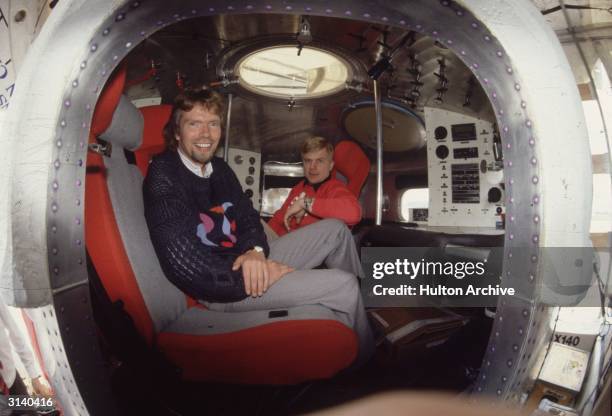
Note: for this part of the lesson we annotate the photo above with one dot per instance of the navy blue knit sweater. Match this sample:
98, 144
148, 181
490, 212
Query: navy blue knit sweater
199, 226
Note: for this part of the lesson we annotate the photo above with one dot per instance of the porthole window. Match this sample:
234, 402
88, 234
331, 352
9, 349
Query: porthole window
280, 72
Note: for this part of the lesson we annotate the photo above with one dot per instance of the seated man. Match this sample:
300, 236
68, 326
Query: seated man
210, 242
319, 195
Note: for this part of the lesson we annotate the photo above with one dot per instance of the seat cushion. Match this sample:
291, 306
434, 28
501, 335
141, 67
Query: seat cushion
250, 347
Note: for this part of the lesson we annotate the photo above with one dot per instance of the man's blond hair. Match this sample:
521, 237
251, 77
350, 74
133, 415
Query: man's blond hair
312, 144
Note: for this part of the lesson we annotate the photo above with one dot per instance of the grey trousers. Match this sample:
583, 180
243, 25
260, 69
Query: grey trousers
326, 242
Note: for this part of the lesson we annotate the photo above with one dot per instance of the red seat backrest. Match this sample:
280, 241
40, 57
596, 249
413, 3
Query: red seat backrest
353, 164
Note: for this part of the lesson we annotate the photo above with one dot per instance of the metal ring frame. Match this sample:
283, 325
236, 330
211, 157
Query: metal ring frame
521, 327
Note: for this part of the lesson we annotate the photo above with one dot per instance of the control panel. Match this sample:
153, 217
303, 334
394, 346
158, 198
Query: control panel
246, 165
464, 170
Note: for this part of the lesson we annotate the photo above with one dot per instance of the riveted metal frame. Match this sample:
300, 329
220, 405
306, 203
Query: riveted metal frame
470, 28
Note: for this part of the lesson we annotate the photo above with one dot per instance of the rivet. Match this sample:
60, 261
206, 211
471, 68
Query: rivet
509, 363
445, 3
54, 228
508, 146
78, 182
82, 144
488, 363
520, 331
475, 66
511, 236
54, 207
499, 392
449, 41
531, 141
435, 33
479, 389
536, 218
536, 199
402, 22
77, 221
248, 7
511, 181
487, 38
463, 53
58, 143
120, 17
128, 45
105, 32
136, 4
517, 87
77, 202
531, 278
80, 162
143, 33
523, 104
500, 54
510, 163
348, 13
504, 379
55, 185
80, 261
535, 238
55, 270
506, 128
331, 11
419, 26
534, 160
525, 313
115, 57
268, 7
528, 123
212, 9
534, 258
176, 16
308, 8
494, 96
459, 12
501, 112
88, 107
63, 123
509, 70
508, 272
512, 218
75, 83
93, 47
510, 255
54, 251
83, 64
78, 242
493, 348
484, 377
535, 179
475, 25
486, 80
159, 22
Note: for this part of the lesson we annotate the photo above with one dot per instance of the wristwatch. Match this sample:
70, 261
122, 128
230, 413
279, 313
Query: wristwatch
308, 203
258, 249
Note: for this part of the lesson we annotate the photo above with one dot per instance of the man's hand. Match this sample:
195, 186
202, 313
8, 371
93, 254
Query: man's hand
255, 272
296, 209
277, 270
40, 388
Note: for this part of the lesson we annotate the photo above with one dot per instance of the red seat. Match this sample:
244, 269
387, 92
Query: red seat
353, 164
207, 345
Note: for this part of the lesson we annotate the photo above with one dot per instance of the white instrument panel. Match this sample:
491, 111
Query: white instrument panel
246, 165
464, 177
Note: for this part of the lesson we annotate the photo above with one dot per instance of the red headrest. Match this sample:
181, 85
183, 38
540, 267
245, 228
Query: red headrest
155, 118
353, 164
108, 101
